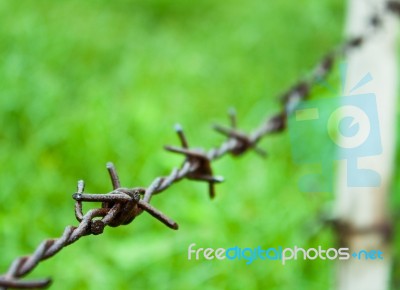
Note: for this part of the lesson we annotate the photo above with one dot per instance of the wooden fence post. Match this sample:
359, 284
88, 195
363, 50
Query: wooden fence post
362, 212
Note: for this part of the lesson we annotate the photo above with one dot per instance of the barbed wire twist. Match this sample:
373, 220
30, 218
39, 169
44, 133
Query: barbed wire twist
122, 205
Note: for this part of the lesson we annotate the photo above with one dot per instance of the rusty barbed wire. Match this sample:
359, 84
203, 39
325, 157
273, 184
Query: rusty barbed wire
122, 205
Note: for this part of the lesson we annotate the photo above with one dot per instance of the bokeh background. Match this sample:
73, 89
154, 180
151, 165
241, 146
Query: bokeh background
86, 82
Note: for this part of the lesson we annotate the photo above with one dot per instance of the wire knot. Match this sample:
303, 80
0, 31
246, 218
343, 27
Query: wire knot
199, 162
120, 207
243, 142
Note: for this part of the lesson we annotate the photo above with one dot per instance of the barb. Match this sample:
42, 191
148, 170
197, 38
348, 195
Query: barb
122, 205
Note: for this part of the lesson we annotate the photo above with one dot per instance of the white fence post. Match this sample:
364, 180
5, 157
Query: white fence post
362, 212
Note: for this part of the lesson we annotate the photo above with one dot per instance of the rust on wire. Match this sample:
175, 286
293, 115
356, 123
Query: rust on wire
122, 205
200, 163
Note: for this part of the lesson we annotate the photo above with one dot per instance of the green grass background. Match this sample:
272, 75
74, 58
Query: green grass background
86, 82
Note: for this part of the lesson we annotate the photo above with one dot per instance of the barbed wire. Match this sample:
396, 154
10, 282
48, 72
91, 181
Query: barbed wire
122, 205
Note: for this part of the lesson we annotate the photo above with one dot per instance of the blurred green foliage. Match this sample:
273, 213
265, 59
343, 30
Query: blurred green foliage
86, 82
